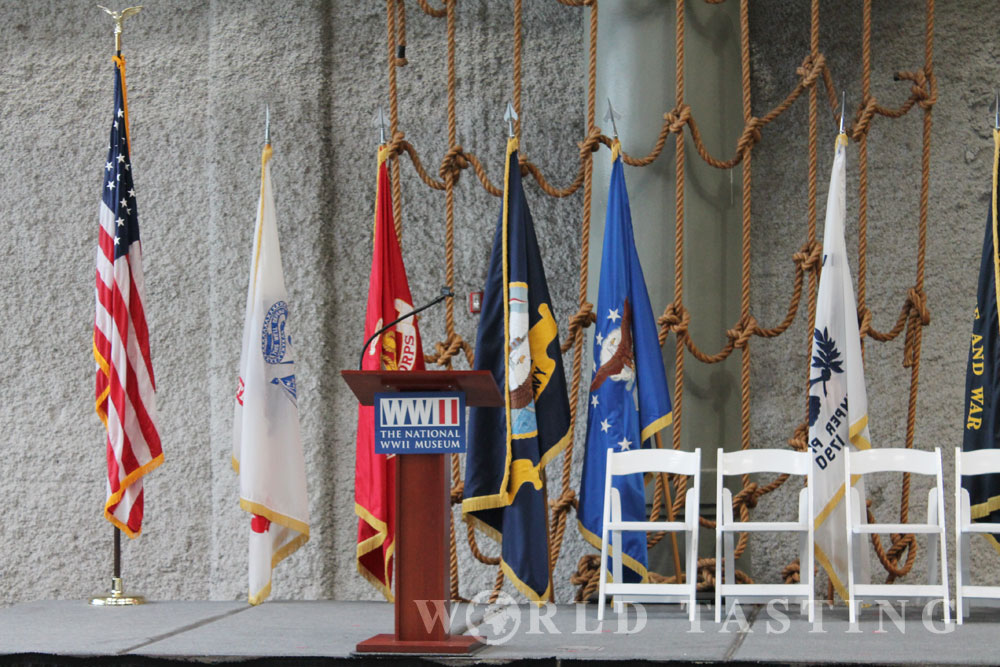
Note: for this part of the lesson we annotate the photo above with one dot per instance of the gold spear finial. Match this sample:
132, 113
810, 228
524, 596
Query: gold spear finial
119, 17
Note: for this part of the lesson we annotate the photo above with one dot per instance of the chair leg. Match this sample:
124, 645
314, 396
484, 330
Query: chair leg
691, 541
852, 613
855, 554
803, 545
959, 580
944, 577
718, 574
938, 548
959, 612
932, 545
728, 542
602, 594
965, 544
616, 567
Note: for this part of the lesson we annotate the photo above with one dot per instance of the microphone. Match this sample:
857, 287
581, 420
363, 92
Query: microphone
446, 293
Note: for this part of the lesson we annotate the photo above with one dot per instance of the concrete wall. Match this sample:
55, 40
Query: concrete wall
965, 62
199, 74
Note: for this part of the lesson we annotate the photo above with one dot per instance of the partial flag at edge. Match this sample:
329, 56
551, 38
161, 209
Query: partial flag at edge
982, 375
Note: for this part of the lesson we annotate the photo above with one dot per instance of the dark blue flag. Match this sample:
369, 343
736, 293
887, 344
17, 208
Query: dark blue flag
518, 342
629, 400
982, 376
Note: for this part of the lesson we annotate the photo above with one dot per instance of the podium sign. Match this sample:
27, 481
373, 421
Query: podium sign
420, 422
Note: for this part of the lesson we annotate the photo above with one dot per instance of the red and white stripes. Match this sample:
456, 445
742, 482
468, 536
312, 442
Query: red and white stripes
125, 384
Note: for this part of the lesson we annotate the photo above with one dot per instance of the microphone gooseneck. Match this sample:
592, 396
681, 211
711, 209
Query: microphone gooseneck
446, 293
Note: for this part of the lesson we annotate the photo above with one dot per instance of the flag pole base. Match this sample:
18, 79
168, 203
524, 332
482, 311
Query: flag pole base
117, 597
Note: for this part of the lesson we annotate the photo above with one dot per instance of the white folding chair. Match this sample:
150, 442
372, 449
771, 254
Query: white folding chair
981, 462
745, 462
858, 529
643, 461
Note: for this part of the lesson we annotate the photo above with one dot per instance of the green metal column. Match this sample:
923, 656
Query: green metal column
636, 70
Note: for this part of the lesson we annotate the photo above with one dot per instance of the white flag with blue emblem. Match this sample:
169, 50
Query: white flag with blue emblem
838, 402
267, 447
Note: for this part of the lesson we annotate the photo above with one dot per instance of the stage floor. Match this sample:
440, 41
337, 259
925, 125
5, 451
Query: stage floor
279, 632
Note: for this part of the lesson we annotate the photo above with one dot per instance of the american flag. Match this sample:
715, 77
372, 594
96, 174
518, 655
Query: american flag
125, 385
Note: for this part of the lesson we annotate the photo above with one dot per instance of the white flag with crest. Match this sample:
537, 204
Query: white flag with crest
838, 403
267, 447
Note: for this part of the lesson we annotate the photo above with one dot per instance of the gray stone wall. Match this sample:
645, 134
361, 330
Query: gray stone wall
965, 60
199, 75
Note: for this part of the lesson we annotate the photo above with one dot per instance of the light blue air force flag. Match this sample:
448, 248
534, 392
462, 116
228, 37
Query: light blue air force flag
629, 400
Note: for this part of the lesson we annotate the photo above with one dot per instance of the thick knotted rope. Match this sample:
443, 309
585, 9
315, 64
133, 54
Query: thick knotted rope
452, 164
810, 257
812, 75
740, 335
811, 69
675, 319
578, 322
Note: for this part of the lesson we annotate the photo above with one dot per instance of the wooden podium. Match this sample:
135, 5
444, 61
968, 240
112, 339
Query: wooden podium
422, 516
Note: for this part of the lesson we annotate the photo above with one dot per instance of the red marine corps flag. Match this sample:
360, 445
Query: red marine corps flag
397, 349
125, 399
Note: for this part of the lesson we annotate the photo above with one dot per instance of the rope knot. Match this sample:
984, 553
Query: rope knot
800, 438
448, 348
587, 577
863, 121
397, 144
564, 502
580, 321
750, 136
791, 573
922, 90
457, 492
918, 315
810, 69
916, 300
677, 118
452, 164
864, 321
591, 143
675, 318
584, 317
741, 333
809, 257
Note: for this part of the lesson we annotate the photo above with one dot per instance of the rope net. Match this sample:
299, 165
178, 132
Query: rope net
815, 80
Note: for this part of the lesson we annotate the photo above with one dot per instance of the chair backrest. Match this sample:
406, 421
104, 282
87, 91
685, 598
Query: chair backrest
978, 462
654, 460
895, 459
746, 461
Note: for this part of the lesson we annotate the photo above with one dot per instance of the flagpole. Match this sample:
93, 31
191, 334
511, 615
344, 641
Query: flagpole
117, 597
117, 568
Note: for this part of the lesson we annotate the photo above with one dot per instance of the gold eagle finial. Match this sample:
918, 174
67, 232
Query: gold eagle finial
119, 17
